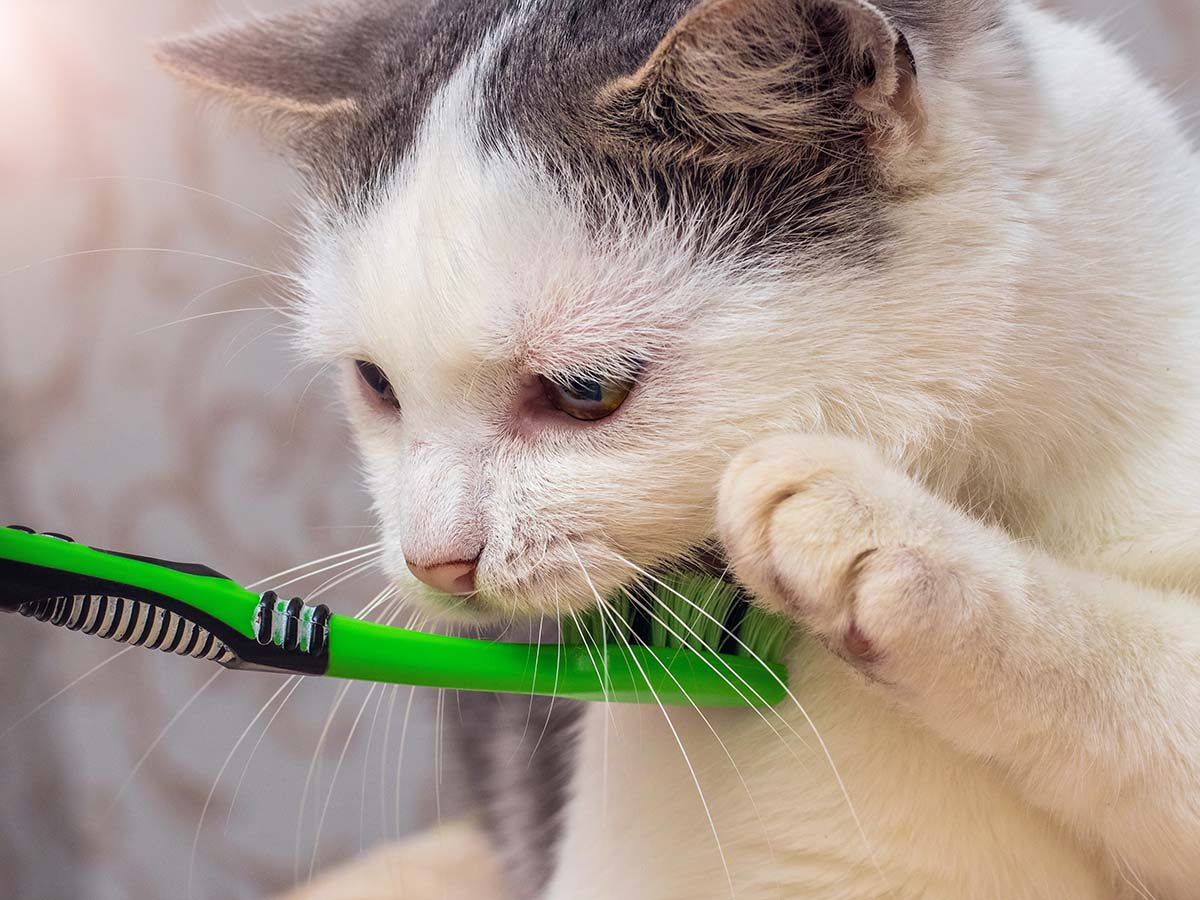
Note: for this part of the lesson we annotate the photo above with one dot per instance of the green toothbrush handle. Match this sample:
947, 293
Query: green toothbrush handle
637, 674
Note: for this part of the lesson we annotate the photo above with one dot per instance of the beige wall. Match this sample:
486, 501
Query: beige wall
196, 440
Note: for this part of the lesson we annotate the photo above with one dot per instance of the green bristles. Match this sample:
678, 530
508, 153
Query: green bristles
686, 611
764, 632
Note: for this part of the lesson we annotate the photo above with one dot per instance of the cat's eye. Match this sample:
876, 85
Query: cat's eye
588, 397
377, 382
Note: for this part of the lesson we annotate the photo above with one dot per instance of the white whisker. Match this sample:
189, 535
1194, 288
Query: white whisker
683, 690
313, 562
221, 771
799, 706
554, 688
755, 707
304, 393
602, 675
207, 315
321, 738
217, 287
62, 690
158, 740
196, 254
396, 605
338, 565
237, 788
387, 731
686, 759
412, 693
529, 714
194, 190
437, 754
337, 768
277, 328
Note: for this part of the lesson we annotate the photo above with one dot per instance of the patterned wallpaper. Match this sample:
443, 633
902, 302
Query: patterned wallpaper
124, 214
150, 402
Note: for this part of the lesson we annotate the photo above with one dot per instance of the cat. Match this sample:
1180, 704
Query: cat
896, 299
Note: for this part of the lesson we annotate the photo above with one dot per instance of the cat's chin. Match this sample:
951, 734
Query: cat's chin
510, 601
438, 608
481, 608
563, 583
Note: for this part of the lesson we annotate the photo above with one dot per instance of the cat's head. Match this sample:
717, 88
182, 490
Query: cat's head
571, 255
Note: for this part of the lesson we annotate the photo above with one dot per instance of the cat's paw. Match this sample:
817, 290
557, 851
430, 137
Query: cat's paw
823, 530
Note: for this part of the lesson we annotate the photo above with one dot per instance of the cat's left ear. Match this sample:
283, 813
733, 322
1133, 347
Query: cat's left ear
747, 80
293, 76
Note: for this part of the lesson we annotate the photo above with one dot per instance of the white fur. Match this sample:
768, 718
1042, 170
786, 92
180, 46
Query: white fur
1030, 358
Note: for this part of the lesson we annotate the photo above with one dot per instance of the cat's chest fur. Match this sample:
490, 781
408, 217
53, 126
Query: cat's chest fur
903, 815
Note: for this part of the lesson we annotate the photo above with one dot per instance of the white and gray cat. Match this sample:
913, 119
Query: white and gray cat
898, 300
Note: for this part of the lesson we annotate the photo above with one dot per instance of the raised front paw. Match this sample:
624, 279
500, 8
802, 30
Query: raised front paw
823, 530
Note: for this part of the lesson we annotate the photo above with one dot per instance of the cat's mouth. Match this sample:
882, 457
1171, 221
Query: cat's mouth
524, 597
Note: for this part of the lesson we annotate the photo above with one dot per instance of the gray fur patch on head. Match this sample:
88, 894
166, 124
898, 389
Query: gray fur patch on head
755, 126
743, 119
426, 44
738, 125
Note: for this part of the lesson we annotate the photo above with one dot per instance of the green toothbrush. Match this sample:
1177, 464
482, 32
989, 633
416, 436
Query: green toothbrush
712, 650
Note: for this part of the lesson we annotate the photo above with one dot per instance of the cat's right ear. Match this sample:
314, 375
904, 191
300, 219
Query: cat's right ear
293, 76
752, 80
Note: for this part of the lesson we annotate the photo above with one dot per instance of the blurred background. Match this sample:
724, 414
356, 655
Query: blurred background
149, 401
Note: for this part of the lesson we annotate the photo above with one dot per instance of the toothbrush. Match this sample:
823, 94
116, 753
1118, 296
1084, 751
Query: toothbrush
681, 657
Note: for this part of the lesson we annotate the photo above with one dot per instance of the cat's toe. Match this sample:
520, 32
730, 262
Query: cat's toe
794, 511
897, 599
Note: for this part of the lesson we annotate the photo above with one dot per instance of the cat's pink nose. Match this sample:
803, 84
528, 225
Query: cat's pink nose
457, 577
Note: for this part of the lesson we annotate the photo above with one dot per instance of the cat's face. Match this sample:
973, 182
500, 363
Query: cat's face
486, 299
560, 300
